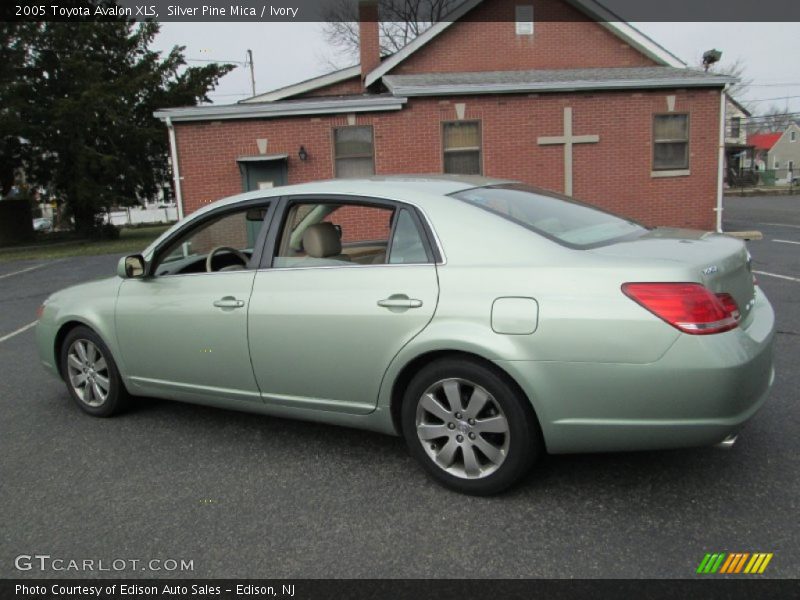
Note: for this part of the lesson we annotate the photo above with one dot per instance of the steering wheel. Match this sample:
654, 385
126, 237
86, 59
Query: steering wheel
239, 254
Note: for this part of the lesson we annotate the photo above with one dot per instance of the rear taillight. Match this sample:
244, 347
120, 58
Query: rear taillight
689, 307
729, 304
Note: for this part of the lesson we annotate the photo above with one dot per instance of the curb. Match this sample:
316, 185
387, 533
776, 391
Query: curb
745, 235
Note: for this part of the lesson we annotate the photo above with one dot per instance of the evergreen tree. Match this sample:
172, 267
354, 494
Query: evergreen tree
77, 109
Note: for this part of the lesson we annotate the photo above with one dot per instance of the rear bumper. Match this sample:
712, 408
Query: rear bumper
702, 390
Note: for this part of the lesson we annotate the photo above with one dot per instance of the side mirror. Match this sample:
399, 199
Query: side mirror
131, 266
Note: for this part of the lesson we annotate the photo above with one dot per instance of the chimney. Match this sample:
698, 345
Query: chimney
368, 36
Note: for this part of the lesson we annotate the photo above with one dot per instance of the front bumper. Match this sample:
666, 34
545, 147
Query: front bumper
45, 333
702, 390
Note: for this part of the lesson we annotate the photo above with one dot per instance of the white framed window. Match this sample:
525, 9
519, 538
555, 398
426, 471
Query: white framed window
736, 126
353, 151
776, 164
461, 146
670, 142
792, 136
524, 19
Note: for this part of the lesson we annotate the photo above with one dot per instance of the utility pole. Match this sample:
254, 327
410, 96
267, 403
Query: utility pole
252, 73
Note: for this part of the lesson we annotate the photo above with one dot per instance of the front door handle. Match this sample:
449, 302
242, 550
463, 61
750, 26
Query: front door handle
229, 302
399, 301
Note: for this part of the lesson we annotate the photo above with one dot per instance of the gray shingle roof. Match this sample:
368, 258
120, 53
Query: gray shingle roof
319, 105
550, 80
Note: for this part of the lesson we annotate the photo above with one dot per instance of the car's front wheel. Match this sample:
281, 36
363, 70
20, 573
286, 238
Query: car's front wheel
469, 427
91, 374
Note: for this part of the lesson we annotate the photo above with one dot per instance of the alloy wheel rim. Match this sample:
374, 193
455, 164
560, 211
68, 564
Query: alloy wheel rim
88, 373
462, 428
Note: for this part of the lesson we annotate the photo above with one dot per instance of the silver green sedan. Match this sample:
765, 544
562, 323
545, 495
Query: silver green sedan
484, 321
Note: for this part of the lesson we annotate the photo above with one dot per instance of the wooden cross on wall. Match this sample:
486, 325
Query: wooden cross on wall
568, 140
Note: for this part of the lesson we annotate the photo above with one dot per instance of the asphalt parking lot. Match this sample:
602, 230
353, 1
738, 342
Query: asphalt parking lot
252, 496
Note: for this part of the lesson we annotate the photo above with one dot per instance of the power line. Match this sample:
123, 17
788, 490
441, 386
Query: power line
793, 115
786, 84
768, 99
214, 60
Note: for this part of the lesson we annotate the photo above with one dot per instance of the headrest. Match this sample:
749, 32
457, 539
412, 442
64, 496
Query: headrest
322, 240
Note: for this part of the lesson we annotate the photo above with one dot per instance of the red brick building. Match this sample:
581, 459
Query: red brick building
556, 93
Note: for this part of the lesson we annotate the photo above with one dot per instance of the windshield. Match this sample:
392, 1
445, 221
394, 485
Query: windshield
563, 220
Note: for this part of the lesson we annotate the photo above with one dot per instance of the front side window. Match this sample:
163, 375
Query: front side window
353, 151
560, 219
670, 142
230, 236
461, 143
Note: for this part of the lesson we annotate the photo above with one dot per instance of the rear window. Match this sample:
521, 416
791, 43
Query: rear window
563, 220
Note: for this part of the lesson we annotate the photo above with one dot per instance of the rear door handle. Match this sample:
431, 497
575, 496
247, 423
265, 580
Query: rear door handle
399, 301
229, 302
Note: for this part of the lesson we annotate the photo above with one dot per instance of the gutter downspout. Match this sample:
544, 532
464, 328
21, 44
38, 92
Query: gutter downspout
176, 174
721, 158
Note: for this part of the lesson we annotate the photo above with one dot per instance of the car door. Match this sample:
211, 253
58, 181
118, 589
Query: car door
326, 318
182, 330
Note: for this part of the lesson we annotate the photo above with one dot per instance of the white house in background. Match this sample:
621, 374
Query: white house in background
736, 117
738, 154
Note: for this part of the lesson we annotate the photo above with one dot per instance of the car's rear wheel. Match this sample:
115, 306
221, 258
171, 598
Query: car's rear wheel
91, 374
469, 427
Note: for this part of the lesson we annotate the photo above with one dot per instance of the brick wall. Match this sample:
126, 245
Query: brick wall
485, 40
362, 223
614, 173
347, 87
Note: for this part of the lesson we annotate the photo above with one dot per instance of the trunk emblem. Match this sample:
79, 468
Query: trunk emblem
710, 270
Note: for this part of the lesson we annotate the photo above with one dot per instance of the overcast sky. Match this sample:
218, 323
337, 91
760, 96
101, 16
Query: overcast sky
285, 53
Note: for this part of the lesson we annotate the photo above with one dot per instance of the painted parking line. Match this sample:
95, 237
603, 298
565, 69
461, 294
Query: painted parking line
769, 275
33, 268
781, 225
17, 332
786, 242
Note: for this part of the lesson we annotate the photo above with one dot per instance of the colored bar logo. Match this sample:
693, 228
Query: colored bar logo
734, 563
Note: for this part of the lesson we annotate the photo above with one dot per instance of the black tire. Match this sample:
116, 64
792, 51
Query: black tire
522, 448
117, 398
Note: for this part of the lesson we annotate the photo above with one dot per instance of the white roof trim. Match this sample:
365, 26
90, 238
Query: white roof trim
605, 17
628, 33
418, 42
305, 86
266, 110
549, 86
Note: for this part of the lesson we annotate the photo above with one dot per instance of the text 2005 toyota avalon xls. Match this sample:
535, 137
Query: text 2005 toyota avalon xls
484, 321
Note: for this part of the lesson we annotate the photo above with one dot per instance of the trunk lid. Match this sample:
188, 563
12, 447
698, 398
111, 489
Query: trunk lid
719, 262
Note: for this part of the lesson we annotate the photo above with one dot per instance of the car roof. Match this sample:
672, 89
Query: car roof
418, 190
384, 186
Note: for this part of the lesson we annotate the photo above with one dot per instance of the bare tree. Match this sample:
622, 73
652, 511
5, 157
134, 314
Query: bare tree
775, 119
400, 22
737, 69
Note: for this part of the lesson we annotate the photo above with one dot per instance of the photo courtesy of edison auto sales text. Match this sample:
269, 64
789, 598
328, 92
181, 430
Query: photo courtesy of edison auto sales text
166, 589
